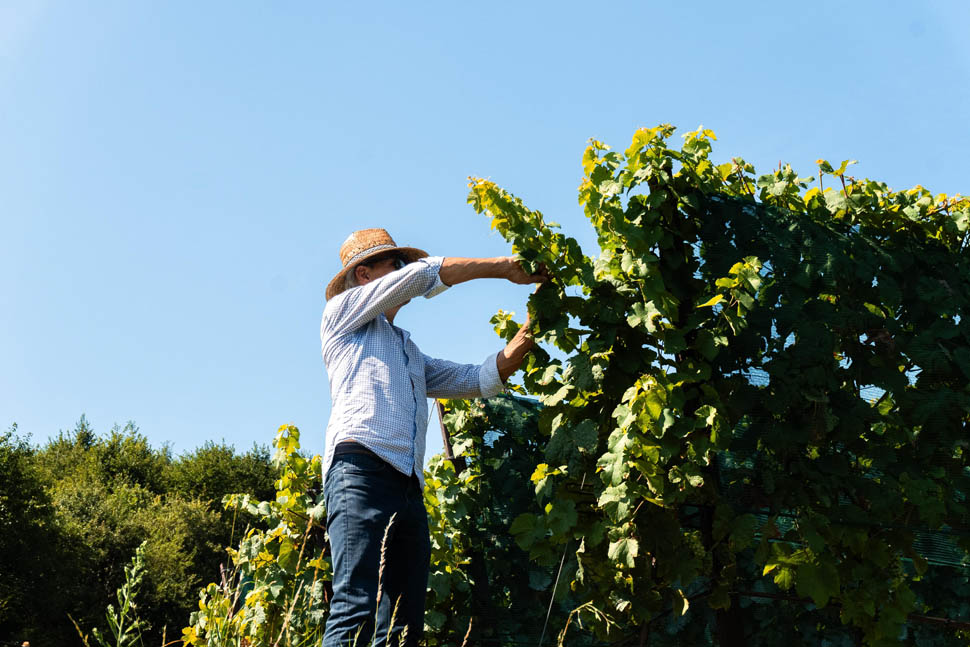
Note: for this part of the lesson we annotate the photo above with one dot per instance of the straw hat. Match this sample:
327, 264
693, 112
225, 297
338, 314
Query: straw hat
362, 245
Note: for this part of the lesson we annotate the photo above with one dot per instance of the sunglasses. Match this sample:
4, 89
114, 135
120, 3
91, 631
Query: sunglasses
398, 260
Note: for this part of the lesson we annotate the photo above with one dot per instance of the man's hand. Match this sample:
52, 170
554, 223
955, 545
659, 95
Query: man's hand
510, 359
516, 274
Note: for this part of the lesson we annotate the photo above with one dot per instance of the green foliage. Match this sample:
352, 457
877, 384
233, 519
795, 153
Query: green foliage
745, 351
76, 509
480, 576
124, 624
29, 543
214, 470
122, 456
276, 592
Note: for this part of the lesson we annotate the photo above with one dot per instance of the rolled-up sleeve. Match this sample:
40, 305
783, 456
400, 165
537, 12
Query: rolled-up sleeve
446, 379
438, 286
488, 378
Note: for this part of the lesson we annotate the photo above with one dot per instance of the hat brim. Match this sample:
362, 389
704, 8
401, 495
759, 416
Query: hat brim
336, 285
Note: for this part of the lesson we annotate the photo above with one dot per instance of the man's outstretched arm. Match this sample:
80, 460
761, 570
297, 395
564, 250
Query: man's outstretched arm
446, 379
458, 270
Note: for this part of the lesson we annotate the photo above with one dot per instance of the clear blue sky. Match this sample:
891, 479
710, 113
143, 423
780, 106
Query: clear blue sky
176, 177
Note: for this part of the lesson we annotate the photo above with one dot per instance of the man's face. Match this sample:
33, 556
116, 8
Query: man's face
378, 267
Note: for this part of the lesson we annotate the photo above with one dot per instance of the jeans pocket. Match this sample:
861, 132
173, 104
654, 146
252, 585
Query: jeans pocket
363, 464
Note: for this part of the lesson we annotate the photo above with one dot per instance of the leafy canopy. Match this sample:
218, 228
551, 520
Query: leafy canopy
752, 368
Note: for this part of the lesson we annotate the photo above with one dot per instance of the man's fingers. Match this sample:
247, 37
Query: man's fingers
538, 277
519, 275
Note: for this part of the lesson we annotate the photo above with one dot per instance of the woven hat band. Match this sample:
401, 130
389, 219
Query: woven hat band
362, 245
367, 252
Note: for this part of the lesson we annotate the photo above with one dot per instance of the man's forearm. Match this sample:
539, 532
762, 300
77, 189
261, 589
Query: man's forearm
458, 270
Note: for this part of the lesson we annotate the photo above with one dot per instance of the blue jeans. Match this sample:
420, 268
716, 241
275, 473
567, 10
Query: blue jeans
362, 492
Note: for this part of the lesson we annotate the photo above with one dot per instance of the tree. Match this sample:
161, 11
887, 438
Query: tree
108, 494
29, 542
124, 455
214, 470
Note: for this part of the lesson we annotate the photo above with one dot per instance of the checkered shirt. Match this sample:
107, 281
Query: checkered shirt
379, 380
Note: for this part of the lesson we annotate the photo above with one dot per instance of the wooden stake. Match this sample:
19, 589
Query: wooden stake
459, 462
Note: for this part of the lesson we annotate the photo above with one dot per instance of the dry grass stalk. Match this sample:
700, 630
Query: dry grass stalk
289, 614
357, 635
306, 537
380, 571
464, 643
380, 578
390, 624
297, 588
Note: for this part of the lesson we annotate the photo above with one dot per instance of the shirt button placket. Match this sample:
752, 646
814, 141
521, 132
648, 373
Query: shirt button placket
414, 401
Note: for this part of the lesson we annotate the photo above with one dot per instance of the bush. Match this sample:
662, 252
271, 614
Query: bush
750, 369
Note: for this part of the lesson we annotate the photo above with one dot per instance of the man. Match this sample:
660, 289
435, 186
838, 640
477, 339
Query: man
374, 458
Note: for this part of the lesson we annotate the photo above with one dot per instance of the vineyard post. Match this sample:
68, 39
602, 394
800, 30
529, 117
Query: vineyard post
459, 462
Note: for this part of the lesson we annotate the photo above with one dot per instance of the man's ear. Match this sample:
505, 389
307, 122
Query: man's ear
362, 273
